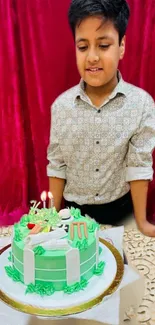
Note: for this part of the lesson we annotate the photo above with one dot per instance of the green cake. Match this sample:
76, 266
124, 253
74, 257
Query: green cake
54, 251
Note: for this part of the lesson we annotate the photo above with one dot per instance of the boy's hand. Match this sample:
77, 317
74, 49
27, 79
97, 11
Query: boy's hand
139, 192
147, 228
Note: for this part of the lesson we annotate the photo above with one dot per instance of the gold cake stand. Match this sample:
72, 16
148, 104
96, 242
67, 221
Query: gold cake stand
29, 309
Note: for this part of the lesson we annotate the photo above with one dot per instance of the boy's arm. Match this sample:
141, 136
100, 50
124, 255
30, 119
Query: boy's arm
139, 165
139, 191
56, 169
56, 186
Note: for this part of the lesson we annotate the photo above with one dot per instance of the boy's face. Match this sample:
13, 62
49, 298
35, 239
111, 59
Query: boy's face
98, 51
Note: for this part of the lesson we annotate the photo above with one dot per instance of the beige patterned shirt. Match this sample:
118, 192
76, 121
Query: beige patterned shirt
99, 150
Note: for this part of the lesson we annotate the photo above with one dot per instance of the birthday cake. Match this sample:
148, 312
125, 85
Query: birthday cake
54, 251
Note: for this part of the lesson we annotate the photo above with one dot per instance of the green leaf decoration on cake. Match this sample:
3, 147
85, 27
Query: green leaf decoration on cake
99, 269
16, 226
30, 288
54, 212
39, 250
54, 217
83, 283
69, 289
75, 213
9, 271
46, 216
39, 215
78, 245
76, 287
25, 220
18, 235
84, 244
10, 257
92, 226
44, 289
13, 273
40, 288
49, 289
81, 244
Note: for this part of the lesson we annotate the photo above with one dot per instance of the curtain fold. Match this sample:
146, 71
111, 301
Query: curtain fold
13, 167
37, 63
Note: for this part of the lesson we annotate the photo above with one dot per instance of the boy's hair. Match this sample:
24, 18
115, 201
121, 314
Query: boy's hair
117, 11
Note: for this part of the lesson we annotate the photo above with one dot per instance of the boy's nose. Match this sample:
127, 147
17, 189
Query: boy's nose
92, 57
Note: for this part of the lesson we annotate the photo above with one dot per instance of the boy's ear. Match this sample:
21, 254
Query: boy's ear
122, 47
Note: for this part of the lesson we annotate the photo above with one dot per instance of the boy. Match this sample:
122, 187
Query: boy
103, 130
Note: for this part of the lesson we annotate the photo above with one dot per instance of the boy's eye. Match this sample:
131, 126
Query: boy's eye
82, 48
104, 46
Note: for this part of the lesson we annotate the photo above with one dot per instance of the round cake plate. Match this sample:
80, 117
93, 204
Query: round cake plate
61, 304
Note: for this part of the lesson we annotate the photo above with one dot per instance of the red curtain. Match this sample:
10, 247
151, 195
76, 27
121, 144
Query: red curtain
37, 63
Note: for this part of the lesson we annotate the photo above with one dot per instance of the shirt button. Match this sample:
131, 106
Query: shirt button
99, 111
97, 142
97, 194
97, 170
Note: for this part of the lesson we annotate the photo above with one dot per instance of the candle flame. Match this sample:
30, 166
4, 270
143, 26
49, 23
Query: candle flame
43, 196
50, 195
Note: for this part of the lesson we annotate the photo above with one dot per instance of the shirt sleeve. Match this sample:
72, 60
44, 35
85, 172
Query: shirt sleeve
56, 166
141, 145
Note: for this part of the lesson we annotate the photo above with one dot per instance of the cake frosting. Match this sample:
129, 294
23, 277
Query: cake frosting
54, 251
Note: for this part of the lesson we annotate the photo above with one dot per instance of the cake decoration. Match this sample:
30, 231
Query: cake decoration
81, 244
18, 235
47, 229
36, 239
78, 224
75, 213
39, 250
98, 270
54, 251
43, 289
69, 289
36, 229
97, 245
30, 225
29, 266
73, 259
65, 214
12, 273
56, 244
10, 257
64, 226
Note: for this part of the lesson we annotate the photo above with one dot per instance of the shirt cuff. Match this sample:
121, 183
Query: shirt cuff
56, 173
138, 173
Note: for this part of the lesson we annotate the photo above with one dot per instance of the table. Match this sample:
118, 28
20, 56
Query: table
140, 252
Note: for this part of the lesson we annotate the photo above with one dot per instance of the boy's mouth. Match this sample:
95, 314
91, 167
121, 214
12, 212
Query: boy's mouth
93, 70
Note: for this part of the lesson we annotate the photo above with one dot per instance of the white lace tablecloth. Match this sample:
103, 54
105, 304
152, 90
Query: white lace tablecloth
140, 251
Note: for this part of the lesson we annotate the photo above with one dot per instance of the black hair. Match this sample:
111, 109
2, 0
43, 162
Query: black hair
117, 11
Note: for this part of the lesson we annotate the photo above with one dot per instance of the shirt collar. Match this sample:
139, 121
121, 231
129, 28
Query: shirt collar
120, 88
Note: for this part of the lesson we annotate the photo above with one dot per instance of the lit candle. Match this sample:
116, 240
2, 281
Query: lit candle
43, 198
50, 196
